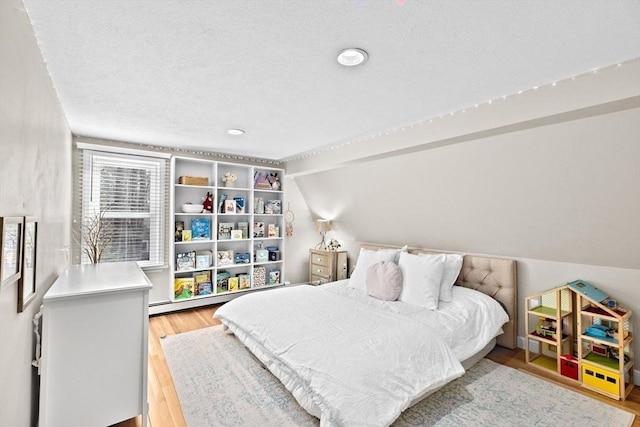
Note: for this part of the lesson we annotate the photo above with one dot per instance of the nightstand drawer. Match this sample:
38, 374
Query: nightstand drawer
317, 280
320, 258
319, 270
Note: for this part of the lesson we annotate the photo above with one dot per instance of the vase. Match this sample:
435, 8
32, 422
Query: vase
229, 183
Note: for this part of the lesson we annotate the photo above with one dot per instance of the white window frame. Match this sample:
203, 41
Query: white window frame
156, 165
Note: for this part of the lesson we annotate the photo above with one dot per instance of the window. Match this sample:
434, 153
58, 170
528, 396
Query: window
122, 208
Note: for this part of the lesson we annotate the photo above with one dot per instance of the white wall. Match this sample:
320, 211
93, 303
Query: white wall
35, 179
550, 177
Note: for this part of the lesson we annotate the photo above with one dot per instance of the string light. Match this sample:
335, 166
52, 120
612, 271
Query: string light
430, 120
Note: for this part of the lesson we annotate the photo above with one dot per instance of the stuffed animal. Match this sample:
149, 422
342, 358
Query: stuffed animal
208, 202
274, 180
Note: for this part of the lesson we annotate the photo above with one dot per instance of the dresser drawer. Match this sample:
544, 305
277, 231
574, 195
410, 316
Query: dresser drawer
320, 258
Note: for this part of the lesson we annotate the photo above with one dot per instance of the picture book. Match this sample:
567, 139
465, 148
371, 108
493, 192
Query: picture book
233, 284
274, 277
244, 281
273, 230
272, 207
258, 205
244, 227
225, 257
224, 230
239, 204
186, 235
179, 229
243, 258
204, 259
200, 228
183, 287
259, 276
222, 282
236, 234
258, 229
221, 200
203, 284
229, 206
186, 261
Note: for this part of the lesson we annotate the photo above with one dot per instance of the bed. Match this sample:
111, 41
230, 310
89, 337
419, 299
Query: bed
351, 359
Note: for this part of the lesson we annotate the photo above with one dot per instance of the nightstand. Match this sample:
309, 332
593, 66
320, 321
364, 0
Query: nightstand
325, 266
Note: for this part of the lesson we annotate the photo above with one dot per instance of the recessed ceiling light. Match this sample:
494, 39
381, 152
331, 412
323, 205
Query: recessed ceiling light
352, 56
235, 132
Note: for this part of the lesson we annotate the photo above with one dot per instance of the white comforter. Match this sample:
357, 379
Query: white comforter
350, 364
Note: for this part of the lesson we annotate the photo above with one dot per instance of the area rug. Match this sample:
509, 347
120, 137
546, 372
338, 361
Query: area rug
219, 383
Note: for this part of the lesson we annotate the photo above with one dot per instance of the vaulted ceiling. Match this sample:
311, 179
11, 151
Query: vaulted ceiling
181, 73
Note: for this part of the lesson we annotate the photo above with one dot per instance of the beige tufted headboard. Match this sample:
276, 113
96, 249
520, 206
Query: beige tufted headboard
496, 277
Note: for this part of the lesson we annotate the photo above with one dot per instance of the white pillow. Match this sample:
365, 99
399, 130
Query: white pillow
366, 259
452, 267
421, 279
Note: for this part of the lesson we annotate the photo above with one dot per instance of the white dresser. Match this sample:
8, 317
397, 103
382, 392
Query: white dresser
94, 346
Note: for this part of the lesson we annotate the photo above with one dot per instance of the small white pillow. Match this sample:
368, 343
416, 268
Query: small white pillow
366, 259
452, 267
384, 280
421, 279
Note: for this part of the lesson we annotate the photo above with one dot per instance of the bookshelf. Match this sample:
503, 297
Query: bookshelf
237, 246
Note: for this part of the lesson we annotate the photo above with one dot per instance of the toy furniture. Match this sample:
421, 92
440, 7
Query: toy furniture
603, 358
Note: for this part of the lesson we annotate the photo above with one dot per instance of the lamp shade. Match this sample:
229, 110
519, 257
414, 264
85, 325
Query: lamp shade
323, 225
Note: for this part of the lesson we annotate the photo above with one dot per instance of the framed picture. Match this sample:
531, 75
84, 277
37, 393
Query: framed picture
10, 249
27, 283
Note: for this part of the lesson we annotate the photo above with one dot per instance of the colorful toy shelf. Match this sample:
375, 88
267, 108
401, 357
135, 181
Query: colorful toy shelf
603, 359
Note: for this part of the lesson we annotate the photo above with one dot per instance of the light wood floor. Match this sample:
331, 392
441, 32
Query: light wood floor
164, 407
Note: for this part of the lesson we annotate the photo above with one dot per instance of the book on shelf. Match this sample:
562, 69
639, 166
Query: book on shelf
272, 207
221, 201
239, 204
225, 257
258, 229
179, 230
203, 285
224, 230
244, 227
201, 229
186, 261
222, 281
274, 277
243, 258
204, 259
229, 206
236, 234
273, 230
186, 235
233, 284
259, 276
244, 281
183, 287
258, 205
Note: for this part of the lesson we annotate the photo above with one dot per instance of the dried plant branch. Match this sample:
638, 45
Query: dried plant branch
95, 235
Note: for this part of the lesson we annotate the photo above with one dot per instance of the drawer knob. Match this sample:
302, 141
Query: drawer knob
319, 259
319, 270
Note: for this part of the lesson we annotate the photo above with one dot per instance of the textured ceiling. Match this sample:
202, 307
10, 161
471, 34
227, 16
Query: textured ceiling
180, 73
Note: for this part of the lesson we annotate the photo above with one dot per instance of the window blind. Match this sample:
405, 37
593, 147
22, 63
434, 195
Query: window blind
121, 211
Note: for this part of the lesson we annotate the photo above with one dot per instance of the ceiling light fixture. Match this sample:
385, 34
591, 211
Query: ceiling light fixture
235, 132
352, 56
